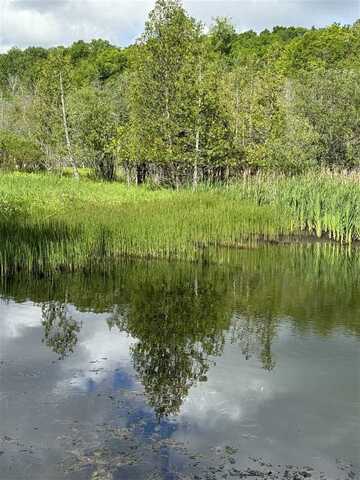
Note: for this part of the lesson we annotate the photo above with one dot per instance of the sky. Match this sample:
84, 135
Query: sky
48, 23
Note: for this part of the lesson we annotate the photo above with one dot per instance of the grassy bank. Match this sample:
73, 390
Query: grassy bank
47, 222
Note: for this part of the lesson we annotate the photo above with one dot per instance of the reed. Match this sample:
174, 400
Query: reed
55, 223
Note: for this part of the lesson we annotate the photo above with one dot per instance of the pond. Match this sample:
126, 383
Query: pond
244, 369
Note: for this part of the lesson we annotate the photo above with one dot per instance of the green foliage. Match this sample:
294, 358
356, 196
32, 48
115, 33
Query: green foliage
258, 50
46, 115
327, 48
222, 36
96, 61
21, 68
61, 224
181, 106
93, 125
330, 101
162, 108
17, 152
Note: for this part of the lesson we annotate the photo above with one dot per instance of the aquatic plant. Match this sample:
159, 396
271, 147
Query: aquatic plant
49, 222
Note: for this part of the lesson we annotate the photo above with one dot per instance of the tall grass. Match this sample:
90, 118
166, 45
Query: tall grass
322, 203
48, 222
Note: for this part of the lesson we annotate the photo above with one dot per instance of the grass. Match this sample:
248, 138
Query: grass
56, 223
323, 204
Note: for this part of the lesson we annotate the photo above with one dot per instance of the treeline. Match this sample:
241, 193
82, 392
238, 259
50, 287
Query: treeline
181, 106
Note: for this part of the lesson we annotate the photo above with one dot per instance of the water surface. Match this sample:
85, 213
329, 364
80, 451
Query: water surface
247, 369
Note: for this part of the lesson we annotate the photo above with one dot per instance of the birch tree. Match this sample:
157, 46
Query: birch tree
50, 112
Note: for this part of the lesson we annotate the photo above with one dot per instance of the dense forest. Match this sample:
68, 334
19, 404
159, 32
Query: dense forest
183, 105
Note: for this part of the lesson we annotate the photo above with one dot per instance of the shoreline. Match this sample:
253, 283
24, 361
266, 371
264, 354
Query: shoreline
49, 223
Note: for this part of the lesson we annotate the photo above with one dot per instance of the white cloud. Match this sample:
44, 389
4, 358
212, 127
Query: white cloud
231, 393
48, 23
54, 22
15, 318
99, 346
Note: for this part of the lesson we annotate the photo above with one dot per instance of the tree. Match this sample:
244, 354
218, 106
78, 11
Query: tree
95, 116
324, 48
19, 152
269, 132
163, 93
222, 36
50, 110
330, 101
182, 107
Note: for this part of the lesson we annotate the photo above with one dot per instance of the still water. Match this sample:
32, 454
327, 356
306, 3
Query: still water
247, 369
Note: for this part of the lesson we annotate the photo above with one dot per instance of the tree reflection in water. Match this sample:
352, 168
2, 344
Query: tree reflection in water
255, 336
60, 329
178, 330
181, 314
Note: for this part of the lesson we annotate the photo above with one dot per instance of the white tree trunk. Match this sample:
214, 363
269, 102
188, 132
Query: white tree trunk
197, 151
66, 130
2, 116
197, 137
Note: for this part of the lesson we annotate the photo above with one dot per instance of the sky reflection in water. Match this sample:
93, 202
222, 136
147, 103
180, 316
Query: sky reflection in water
163, 370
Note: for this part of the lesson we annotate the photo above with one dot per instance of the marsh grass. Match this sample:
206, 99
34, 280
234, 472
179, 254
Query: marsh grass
52, 223
322, 203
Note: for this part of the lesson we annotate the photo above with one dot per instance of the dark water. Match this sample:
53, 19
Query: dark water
180, 371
